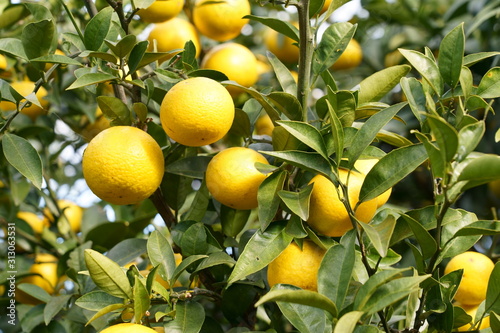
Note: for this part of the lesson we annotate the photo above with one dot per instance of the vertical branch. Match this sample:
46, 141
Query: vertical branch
305, 57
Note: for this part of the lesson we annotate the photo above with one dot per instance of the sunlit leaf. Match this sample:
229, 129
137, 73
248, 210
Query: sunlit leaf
298, 202
377, 85
426, 67
23, 156
451, 52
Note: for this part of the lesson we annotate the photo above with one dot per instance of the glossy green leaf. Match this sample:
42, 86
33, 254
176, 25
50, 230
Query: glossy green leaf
216, 259
379, 84
185, 264
332, 44
127, 250
123, 47
344, 104
96, 300
493, 291
160, 254
12, 13
472, 59
106, 310
427, 243
37, 38
451, 53
54, 306
304, 297
446, 137
489, 87
285, 78
189, 317
35, 291
23, 156
348, 322
365, 136
481, 170
380, 234
287, 104
298, 202
107, 274
14, 47
335, 272
137, 55
194, 240
260, 250
268, 198
191, 166
281, 26
436, 159
233, 220
337, 134
97, 29
115, 110
495, 321
480, 228
200, 204
426, 67
142, 302
91, 78
469, 138
307, 134
57, 59
415, 95
391, 169
466, 81
305, 160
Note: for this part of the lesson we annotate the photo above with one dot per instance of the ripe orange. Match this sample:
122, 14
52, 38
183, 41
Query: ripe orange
196, 112
350, 58
296, 266
172, 35
264, 125
36, 223
232, 178
70, 211
25, 88
128, 328
327, 213
46, 266
471, 311
161, 11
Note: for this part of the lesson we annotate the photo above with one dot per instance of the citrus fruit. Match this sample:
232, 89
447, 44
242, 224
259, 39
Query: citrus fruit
232, 178
70, 211
128, 328
220, 20
161, 11
196, 112
281, 46
123, 165
35, 222
92, 129
350, 58
236, 61
326, 4
264, 125
327, 213
25, 88
172, 35
296, 266
3, 62
477, 270
471, 311
45, 266
364, 166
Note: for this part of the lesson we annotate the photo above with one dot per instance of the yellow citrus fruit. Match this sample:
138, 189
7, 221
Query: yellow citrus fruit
161, 11
350, 58
25, 88
128, 328
172, 35
123, 165
220, 20
196, 112
281, 46
3, 62
471, 311
326, 4
477, 270
364, 166
46, 266
327, 213
494, 187
264, 125
100, 124
236, 61
296, 266
232, 178
36, 223
70, 211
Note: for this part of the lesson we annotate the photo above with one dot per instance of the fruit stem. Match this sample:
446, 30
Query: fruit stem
305, 57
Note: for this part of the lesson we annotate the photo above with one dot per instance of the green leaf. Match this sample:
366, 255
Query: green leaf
495, 321
474, 58
128, 249
332, 45
481, 170
260, 250
415, 95
200, 204
377, 85
369, 130
344, 104
106, 310
215, 259
191, 166
96, 300
380, 234
427, 243
306, 133
185, 264
287, 104
451, 53
23, 156
137, 55
123, 47
436, 159
304, 160
91, 78
37, 38
194, 240
14, 47
427, 67
268, 198
304, 297
97, 29
335, 272
160, 254
233, 220
280, 26
189, 317
115, 110
446, 137
489, 87
348, 322
469, 137
304, 318
107, 274
337, 134
57, 59
298, 202
54, 306
285, 78
142, 302
391, 169
493, 291
35, 291
480, 228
